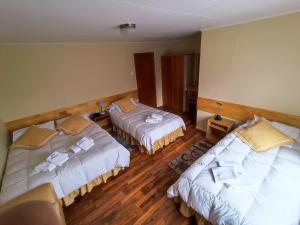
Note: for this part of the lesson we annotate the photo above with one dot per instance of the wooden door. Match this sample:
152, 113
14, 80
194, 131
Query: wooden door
145, 78
172, 68
166, 78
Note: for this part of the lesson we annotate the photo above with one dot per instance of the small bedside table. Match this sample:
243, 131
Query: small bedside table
217, 129
103, 120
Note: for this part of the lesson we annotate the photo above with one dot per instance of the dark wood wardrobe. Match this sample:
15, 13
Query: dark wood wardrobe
180, 75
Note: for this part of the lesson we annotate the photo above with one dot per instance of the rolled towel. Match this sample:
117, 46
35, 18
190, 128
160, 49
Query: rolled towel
152, 120
75, 148
157, 116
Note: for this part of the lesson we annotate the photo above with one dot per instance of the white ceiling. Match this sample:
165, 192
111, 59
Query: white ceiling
97, 20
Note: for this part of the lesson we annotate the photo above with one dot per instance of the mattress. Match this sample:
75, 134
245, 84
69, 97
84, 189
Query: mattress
79, 170
270, 194
147, 134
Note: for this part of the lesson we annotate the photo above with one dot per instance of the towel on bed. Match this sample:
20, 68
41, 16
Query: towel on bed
154, 118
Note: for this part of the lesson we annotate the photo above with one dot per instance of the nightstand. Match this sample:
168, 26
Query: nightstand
103, 120
217, 129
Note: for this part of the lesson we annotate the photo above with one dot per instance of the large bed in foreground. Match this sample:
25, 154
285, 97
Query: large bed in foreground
269, 193
77, 176
149, 137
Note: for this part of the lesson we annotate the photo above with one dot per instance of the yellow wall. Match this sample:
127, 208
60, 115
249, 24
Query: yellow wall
40, 77
37, 78
185, 45
256, 64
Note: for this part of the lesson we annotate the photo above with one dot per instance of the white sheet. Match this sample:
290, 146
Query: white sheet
272, 198
80, 169
133, 123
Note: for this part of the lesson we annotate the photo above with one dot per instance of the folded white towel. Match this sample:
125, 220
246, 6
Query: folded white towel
44, 167
152, 120
237, 167
226, 174
85, 143
157, 116
58, 158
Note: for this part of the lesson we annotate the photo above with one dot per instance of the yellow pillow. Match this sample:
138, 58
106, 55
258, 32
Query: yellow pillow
125, 105
34, 137
74, 125
262, 136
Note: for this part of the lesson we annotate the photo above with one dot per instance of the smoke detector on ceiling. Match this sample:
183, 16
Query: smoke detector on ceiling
127, 29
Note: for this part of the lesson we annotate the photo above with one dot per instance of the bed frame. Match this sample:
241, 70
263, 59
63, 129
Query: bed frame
163, 142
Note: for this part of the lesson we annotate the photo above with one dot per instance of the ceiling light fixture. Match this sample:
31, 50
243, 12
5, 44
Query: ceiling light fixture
127, 29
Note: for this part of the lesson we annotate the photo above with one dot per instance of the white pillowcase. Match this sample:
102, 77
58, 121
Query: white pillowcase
20, 132
114, 108
134, 101
292, 132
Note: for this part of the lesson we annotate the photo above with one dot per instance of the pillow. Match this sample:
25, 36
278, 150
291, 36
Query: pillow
18, 133
134, 101
34, 137
74, 125
61, 120
292, 132
114, 108
262, 136
125, 105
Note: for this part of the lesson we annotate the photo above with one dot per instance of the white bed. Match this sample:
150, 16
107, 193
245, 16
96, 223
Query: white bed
79, 170
270, 197
146, 134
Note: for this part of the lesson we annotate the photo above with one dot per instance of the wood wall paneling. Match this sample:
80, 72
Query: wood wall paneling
243, 113
87, 107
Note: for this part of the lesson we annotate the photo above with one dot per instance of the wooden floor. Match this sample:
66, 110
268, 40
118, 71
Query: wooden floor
138, 194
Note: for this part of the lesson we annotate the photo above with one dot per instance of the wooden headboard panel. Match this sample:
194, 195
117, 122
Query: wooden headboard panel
243, 113
87, 107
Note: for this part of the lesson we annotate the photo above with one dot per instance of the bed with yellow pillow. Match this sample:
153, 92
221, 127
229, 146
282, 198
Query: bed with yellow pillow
129, 120
78, 175
263, 188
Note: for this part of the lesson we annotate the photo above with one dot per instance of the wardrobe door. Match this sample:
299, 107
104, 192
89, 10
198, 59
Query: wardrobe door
177, 82
172, 81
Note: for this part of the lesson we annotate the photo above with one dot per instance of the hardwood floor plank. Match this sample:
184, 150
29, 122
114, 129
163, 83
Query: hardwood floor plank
138, 194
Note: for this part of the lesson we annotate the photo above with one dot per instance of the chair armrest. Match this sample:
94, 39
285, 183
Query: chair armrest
44, 192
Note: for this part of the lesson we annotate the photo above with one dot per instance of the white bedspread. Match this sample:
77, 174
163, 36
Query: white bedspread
133, 123
272, 198
80, 169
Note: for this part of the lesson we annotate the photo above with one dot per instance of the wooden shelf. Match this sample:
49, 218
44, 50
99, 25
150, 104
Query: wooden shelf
103, 121
217, 129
